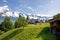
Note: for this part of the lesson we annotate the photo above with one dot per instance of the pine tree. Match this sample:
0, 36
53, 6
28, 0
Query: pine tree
6, 24
20, 22
27, 19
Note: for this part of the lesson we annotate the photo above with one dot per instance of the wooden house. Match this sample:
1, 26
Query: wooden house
55, 26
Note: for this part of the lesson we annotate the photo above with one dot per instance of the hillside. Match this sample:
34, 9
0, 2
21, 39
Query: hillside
31, 32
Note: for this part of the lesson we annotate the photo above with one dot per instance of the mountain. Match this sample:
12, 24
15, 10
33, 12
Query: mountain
5, 11
14, 18
41, 17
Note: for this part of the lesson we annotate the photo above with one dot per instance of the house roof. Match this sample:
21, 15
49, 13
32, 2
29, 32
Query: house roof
54, 20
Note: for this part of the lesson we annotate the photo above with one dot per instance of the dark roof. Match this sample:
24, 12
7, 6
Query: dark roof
54, 20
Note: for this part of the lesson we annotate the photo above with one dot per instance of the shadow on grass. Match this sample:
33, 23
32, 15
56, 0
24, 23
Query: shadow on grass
12, 34
46, 35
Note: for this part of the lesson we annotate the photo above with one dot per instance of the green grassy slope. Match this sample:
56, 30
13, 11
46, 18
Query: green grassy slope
31, 32
10, 34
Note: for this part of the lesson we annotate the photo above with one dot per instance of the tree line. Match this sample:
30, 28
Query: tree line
20, 22
8, 25
56, 16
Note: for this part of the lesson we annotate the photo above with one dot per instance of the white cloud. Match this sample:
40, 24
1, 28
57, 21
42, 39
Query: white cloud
1, 9
4, 8
12, 14
30, 8
9, 13
4, 11
16, 14
46, 15
4, 0
51, 8
3, 15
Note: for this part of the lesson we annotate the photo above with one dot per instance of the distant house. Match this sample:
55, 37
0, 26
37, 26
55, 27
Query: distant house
34, 21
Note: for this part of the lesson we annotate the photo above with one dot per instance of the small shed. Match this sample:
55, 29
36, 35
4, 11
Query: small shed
55, 26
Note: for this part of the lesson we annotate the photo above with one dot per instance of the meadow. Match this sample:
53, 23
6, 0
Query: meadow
31, 32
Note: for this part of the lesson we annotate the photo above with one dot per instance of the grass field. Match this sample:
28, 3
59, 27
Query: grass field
31, 32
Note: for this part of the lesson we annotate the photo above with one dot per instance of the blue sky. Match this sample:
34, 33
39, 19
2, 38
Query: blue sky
45, 7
